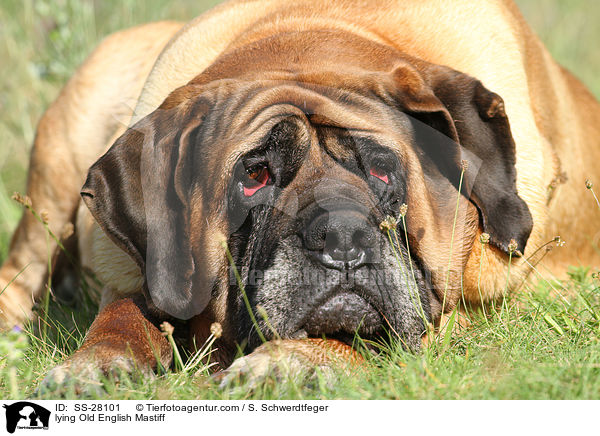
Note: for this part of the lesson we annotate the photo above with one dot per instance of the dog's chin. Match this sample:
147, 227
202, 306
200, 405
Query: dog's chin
344, 316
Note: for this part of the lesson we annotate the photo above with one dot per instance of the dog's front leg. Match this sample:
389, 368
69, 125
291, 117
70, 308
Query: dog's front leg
123, 338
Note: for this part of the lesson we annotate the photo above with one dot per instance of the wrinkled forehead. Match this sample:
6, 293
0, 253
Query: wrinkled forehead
242, 115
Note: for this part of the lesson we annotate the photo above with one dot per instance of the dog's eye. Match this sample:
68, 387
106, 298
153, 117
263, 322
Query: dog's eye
257, 178
380, 173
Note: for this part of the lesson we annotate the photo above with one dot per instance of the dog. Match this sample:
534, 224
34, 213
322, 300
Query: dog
298, 173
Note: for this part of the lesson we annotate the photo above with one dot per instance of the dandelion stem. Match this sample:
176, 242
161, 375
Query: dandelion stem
168, 332
479, 281
243, 291
462, 173
590, 186
48, 288
506, 286
412, 271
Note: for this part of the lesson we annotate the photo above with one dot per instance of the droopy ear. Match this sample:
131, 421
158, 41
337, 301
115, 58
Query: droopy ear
464, 110
139, 192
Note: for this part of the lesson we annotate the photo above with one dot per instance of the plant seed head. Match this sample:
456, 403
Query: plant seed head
484, 238
167, 329
216, 329
403, 210
389, 223
512, 246
221, 238
589, 184
22, 199
464, 165
262, 312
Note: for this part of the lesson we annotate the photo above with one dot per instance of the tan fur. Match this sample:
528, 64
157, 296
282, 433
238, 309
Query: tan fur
95, 105
543, 137
559, 136
554, 120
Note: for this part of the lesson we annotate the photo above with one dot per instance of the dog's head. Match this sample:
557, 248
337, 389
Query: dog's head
291, 151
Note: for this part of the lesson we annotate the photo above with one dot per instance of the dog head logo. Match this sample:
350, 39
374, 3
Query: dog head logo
26, 415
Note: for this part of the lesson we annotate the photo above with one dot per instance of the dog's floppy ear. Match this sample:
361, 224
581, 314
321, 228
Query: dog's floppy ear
139, 192
461, 108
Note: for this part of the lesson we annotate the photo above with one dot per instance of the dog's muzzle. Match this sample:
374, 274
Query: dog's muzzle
340, 239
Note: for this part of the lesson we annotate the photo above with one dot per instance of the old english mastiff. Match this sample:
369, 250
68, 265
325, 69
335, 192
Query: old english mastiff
284, 134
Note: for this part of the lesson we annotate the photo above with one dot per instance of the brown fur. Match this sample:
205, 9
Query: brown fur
122, 329
554, 120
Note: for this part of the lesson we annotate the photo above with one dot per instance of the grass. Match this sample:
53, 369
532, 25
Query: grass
537, 346
542, 347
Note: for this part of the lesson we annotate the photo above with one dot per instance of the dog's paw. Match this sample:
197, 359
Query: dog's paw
84, 376
66, 379
274, 360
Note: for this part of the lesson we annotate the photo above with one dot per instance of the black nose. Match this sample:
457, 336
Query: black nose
341, 239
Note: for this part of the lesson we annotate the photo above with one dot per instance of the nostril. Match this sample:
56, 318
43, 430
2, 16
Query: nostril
332, 240
359, 238
314, 235
363, 238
